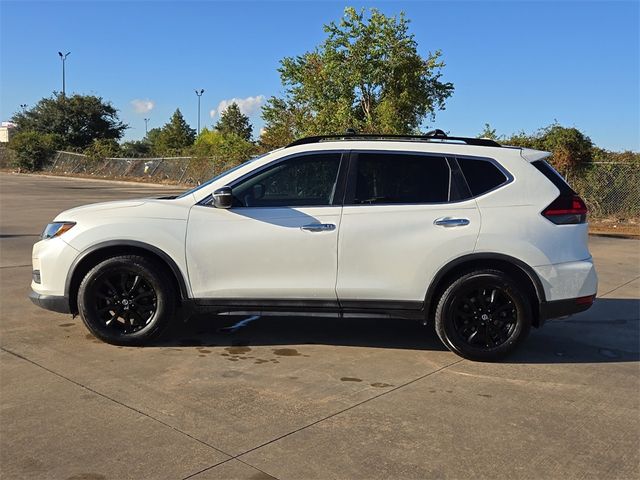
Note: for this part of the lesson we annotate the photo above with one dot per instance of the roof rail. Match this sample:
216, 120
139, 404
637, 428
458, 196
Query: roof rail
433, 135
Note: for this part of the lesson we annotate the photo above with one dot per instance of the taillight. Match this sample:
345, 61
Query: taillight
566, 210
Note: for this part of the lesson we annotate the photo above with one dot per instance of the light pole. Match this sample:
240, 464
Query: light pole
146, 126
63, 58
199, 94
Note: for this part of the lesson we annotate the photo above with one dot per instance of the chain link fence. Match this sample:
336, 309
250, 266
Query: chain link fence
176, 170
611, 190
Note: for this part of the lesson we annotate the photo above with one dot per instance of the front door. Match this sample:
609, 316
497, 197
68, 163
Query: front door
278, 242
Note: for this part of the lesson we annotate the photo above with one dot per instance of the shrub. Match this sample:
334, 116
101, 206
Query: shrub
102, 148
33, 149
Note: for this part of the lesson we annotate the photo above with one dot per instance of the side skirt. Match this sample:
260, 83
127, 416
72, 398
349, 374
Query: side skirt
410, 310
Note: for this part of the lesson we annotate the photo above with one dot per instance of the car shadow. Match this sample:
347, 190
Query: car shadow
608, 333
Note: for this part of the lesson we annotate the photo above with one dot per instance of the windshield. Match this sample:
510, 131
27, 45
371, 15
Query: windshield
217, 177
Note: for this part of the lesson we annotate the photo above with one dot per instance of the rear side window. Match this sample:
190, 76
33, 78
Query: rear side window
387, 178
555, 178
481, 175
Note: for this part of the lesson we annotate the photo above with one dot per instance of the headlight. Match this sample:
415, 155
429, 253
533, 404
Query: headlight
56, 229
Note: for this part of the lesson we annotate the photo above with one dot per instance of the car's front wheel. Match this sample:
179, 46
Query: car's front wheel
126, 300
483, 315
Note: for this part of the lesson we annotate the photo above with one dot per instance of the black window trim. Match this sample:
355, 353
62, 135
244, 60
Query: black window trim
450, 159
338, 195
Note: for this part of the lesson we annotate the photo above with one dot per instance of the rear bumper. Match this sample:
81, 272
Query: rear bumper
562, 308
54, 303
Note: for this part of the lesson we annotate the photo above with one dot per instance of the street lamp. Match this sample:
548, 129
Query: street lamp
199, 94
23, 106
63, 58
146, 126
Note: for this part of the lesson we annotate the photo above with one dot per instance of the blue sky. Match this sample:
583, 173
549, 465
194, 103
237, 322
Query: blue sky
516, 65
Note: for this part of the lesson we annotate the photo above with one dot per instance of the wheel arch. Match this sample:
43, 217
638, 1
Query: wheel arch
520, 272
93, 255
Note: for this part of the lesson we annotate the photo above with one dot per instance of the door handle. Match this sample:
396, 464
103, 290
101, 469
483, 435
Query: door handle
451, 222
318, 227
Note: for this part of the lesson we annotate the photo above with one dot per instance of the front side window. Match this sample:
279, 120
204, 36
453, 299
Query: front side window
388, 178
307, 180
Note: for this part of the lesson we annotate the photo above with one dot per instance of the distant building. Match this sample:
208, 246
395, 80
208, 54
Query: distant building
5, 131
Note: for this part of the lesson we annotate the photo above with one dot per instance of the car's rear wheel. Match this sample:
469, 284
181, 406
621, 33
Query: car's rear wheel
126, 300
483, 315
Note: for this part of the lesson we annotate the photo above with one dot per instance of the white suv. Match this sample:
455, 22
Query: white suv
483, 240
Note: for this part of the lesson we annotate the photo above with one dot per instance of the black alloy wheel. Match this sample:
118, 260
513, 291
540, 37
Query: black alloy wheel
127, 300
483, 315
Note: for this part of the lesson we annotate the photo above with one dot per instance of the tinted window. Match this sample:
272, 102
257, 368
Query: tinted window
401, 178
481, 175
300, 181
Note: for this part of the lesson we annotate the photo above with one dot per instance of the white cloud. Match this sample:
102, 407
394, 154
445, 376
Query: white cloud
142, 106
248, 106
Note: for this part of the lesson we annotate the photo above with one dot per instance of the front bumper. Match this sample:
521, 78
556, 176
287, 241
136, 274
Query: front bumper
54, 303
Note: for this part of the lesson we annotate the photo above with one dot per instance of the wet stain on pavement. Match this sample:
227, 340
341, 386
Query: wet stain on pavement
286, 352
485, 395
87, 476
381, 385
67, 325
238, 350
350, 379
204, 350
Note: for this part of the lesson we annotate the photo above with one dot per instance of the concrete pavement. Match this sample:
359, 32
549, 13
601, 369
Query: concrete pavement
307, 397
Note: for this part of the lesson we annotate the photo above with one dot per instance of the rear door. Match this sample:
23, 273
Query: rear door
403, 219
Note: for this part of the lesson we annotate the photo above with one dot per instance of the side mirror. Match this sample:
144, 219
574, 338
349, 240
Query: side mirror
223, 198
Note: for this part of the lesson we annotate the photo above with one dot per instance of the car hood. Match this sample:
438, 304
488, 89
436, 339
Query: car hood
142, 207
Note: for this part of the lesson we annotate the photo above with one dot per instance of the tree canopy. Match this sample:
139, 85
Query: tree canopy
232, 120
225, 148
366, 75
76, 120
571, 149
173, 138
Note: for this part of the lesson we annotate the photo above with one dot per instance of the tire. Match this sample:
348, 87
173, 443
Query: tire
483, 315
127, 300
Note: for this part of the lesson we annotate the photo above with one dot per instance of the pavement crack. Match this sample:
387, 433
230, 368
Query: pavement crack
273, 440
118, 402
619, 286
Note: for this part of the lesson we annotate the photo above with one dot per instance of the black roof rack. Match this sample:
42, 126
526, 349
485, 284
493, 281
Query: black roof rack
433, 135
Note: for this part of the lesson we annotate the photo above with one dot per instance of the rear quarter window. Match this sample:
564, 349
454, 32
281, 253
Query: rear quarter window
481, 175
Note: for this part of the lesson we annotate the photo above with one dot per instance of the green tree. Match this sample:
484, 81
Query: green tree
366, 75
174, 137
33, 149
102, 148
135, 149
77, 120
488, 132
225, 149
232, 120
571, 149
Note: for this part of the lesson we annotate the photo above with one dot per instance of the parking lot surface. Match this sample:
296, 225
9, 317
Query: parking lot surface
307, 397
